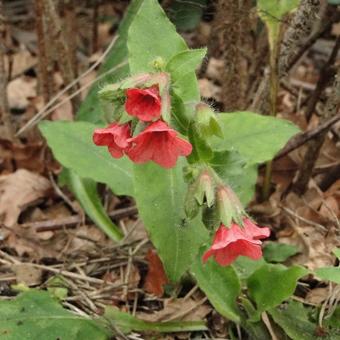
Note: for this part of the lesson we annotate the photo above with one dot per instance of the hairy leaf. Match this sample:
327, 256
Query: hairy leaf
293, 319
127, 323
278, 252
35, 315
220, 284
85, 190
272, 284
72, 146
152, 35
160, 194
257, 138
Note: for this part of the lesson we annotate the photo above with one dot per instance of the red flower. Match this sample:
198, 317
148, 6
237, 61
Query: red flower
145, 104
158, 143
114, 136
230, 243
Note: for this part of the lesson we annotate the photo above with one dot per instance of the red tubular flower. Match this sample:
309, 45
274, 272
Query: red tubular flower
158, 143
115, 137
230, 243
145, 104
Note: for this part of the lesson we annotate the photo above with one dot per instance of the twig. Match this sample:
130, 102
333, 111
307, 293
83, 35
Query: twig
266, 321
326, 74
303, 137
45, 78
186, 311
62, 48
309, 222
71, 221
42, 113
314, 147
4, 111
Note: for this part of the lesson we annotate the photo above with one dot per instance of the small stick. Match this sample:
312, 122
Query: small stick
62, 48
4, 110
303, 137
314, 147
71, 221
45, 78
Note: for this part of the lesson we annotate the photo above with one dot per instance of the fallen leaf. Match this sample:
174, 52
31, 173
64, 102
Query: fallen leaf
20, 90
156, 277
27, 274
172, 308
18, 191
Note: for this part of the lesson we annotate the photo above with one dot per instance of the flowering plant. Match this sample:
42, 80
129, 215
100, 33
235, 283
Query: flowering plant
191, 170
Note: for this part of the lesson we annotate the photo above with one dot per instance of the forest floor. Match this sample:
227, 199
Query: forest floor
44, 232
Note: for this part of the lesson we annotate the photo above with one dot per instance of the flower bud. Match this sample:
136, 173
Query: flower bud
206, 121
229, 207
205, 189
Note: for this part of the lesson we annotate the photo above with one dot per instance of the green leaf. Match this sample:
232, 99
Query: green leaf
274, 10
272, 13
336, 252
72, 146
246, 266
293, 319
220, 284
234, 171
334, 2
91, 110
186, 15
201, 149
182, 68
151, 35
160, 195
329, 274
257, 138
278, 252
271, 284
85, 191
127, 323
35, 315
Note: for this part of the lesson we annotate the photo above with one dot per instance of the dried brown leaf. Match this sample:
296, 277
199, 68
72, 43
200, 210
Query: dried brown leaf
156, 277
18, 191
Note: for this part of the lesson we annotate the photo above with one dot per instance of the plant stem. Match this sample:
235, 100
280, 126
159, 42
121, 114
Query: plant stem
274, 86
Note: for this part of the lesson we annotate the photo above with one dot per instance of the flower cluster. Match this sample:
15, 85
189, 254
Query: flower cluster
157, 142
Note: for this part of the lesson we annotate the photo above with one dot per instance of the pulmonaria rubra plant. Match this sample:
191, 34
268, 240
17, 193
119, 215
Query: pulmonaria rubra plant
143, 134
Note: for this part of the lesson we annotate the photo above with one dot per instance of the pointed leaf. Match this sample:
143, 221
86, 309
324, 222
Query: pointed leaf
161, 208
86, 193
127, 323
257, 138
272, 284
152, 35
72, 146
181, 67
329, 274
220, 284
293, 319
278, 252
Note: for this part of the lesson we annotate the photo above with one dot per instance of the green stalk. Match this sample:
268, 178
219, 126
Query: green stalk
274, 40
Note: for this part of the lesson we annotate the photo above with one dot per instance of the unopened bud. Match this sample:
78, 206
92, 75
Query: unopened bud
229, 207
206, 121
205, 189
